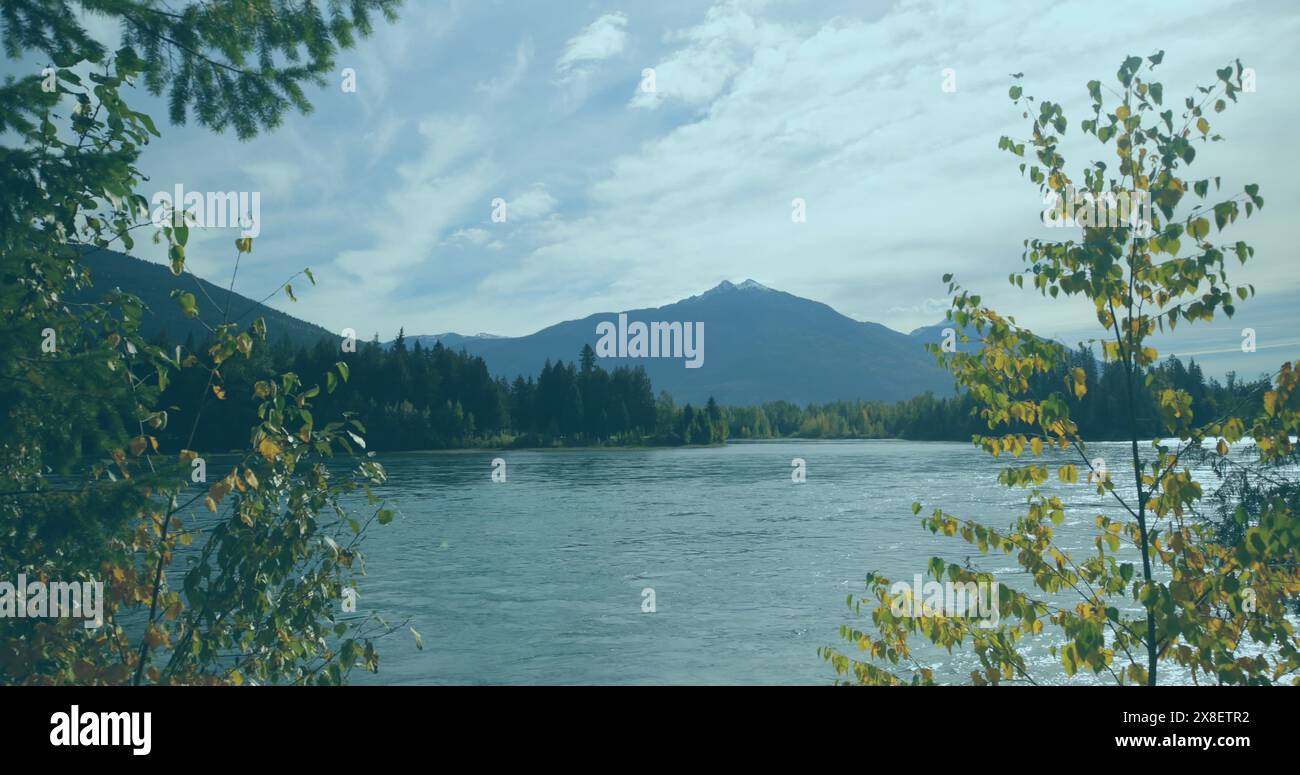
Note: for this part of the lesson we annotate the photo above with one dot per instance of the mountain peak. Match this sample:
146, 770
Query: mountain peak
727, 285
454, 335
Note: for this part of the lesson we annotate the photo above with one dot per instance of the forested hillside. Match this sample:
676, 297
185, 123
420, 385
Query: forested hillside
162, 316
415, 397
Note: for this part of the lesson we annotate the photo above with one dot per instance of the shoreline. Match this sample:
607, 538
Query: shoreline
643, 447
732, 442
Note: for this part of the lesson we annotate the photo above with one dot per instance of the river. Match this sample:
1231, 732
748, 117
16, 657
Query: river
544, 578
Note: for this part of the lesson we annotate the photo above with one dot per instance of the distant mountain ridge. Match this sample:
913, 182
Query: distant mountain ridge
449, 339
153, 284
760, 344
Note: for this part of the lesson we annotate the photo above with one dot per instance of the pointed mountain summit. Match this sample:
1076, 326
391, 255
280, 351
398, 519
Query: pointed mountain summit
759, 344
727, 285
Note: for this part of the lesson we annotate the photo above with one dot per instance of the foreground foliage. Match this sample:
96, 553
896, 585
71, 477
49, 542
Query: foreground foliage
87, 495
1208, 598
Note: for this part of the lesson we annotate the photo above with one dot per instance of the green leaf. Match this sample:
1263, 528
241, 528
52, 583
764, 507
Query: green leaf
189, 305
176, 254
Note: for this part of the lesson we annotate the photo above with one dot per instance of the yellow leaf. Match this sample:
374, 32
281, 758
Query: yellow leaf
221, 394
1270, 403
269, 449
218, 491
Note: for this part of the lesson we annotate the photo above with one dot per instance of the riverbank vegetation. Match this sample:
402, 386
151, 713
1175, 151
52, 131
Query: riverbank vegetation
412, 397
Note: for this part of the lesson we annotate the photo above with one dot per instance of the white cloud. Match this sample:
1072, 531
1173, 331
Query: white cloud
714, 52
931, 309
496, 88
274, 178
604, 38
535, 202
472, 236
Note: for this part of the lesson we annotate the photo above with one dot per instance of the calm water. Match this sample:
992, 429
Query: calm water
539, 579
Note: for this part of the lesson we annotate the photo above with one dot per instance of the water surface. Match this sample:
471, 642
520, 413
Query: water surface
540, 579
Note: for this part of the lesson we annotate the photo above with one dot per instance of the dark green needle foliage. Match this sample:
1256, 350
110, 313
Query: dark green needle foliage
238, 64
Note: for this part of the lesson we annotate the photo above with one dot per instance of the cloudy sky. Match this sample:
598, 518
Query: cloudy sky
619, 197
